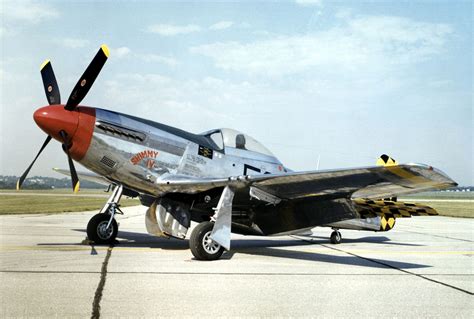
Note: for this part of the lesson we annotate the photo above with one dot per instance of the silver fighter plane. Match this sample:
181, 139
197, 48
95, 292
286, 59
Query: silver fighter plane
222, 179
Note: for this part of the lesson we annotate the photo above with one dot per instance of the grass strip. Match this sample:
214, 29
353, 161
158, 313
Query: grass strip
28, 204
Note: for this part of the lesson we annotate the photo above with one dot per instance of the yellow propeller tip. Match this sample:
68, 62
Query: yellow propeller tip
18, 185
105, 48
76, 188
44, 64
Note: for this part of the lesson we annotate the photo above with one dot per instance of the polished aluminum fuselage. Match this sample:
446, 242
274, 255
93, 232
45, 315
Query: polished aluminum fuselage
139, 153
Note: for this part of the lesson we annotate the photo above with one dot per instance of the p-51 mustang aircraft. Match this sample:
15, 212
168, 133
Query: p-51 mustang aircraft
222, 179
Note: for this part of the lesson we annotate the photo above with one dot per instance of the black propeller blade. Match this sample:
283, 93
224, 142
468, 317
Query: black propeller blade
22, 178
72, 169
51, 87
87, 79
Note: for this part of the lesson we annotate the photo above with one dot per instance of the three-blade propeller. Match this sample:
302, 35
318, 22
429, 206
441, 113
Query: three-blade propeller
51, 90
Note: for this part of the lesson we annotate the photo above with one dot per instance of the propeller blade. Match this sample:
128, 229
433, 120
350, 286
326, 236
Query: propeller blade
51, 87
72, 169
75, 180
22, 178
87, 79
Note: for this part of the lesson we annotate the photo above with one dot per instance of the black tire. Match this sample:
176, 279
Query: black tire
336, 237
96, 226
199, 243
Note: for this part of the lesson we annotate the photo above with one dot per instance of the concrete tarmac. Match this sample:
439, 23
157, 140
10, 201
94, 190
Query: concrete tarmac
423, 267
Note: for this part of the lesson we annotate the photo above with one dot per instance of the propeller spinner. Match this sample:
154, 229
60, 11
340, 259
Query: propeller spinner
61, 121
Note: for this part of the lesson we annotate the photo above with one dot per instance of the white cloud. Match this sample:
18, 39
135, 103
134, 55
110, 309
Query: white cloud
308, 3
73, 43
374, 42
123, 52
173, 101
120, 52
158, 58
3, 32
171, 30
26, 11
221, 25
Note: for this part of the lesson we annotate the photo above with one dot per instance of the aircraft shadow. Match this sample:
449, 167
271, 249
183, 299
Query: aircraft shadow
262, 247
132, 239
275, 248
326, 258
367, 239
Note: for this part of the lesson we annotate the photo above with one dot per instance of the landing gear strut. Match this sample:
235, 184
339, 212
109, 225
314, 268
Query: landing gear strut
336, 237
102, 227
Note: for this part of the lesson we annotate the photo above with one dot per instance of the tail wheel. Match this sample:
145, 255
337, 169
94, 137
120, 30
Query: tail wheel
98, 232
336, 237
201, 244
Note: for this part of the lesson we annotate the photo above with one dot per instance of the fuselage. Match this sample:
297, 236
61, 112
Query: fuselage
138, 152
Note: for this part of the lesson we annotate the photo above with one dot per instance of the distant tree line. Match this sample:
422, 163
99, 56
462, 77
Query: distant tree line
39, 182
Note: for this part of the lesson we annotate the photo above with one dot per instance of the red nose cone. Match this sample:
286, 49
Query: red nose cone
54, 118
78, 125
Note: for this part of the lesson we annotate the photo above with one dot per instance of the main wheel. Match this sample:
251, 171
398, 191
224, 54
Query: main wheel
201, 244
336, 237
97, 229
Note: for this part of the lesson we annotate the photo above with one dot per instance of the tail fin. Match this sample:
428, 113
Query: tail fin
385, 160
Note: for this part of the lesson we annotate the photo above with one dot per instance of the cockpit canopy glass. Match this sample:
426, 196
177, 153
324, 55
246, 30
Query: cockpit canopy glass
226, 137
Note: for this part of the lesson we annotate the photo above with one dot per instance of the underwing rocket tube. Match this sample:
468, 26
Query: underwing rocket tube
168, 218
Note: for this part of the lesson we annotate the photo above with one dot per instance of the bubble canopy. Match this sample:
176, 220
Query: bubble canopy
226, 137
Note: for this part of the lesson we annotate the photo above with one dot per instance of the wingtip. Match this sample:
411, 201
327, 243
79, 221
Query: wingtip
105, 49
44, 64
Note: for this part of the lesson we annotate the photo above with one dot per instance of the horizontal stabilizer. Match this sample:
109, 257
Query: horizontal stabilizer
370, 208
91, 177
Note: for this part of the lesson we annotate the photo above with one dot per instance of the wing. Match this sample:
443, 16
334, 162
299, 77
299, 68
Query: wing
365, 182
91, 177
368, 182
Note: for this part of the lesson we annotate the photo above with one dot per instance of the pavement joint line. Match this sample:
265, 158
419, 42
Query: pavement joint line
75, 247
219, 273
402, 270
440, 236
100, 287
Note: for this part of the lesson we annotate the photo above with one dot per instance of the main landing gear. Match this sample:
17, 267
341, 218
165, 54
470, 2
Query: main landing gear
102, 227
336, 237
201, 244
209, 239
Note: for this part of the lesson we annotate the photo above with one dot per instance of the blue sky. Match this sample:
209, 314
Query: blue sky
341, 80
